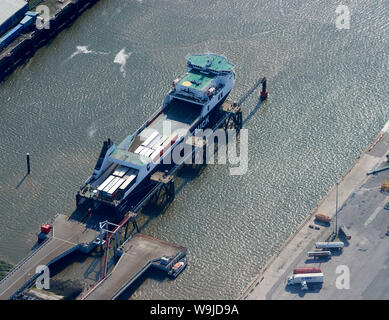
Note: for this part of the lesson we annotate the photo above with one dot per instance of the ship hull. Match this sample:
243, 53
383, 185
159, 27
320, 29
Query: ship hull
191, 106
129, 200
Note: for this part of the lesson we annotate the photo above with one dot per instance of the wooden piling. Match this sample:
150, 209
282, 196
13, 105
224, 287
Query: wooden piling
28, 163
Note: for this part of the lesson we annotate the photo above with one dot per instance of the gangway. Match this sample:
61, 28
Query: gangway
263, 95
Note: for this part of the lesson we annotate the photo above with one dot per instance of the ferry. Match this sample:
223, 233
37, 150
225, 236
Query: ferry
120, 169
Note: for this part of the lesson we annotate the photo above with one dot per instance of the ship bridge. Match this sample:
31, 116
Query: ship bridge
204, 79
209, 62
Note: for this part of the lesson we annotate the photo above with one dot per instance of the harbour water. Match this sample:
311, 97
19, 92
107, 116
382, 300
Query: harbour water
111, 69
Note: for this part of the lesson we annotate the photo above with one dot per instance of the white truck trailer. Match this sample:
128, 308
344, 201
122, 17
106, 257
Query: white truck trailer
329, 245
305, 278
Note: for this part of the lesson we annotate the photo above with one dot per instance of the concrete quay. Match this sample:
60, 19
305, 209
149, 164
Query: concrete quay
361, 210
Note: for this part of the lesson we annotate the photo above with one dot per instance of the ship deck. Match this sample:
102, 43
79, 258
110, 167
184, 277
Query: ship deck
177, 117
179, 114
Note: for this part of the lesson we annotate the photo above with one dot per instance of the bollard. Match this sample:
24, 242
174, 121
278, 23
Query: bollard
264, 92
28, 164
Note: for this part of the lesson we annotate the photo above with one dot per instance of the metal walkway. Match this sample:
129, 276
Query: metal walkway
139, 253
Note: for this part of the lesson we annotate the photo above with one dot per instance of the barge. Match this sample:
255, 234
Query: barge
21, 37
194, 96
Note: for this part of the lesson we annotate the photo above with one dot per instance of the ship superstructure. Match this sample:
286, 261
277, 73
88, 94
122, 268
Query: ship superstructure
120, 169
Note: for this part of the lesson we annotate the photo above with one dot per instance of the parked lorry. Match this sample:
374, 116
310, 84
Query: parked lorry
322, 217
306, 270
306, 278
320, 253
345, 231
329, 245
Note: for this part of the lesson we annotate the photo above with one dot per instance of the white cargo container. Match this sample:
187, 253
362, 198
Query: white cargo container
156, 154
109, 185
150, 139
329, 245
120, 171
144, 151
305, 278
157, 142
139, 149
149, 152
128, 182
112, 191
105, 183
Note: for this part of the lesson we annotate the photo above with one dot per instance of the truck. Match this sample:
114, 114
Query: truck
305, 278
329, 245
319, 253
323, 218
346, 232
306, 270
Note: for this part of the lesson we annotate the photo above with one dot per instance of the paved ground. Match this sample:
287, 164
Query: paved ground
366, 254
139, 252
65, 238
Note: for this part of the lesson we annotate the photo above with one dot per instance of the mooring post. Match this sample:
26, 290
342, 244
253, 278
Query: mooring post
264, 92
28, 163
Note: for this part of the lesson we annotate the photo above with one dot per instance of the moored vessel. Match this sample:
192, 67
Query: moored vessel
186, 108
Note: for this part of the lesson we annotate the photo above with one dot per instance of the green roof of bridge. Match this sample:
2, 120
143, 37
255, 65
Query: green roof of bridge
210, 61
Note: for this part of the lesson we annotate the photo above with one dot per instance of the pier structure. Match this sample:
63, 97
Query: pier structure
65, 237
138, 254
135, 254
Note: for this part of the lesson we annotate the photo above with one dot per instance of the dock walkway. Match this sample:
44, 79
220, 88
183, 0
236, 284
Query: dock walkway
139, 253
66, 237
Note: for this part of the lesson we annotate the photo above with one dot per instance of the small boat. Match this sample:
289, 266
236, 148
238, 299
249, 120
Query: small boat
322, 217
178, 267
